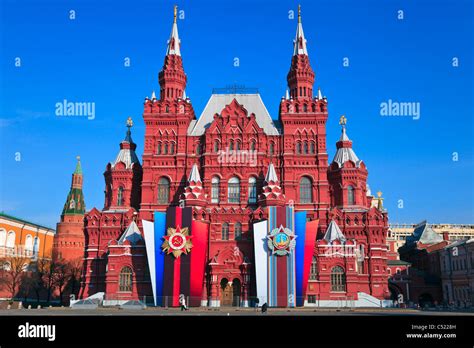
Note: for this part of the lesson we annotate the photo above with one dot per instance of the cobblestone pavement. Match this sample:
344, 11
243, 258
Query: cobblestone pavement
56, 311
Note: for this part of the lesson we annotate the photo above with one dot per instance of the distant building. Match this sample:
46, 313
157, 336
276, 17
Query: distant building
457, 272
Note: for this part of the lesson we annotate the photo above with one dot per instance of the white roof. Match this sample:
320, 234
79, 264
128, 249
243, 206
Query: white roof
271, 174
334, 233
194, 176
174, 42
300, 41
345, 154
127, 156
251, 102
132, 234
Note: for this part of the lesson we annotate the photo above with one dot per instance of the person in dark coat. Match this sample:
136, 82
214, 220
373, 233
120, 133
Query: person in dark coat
264, 308
256, 304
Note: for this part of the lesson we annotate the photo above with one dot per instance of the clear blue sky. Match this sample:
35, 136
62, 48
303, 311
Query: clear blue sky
82, 60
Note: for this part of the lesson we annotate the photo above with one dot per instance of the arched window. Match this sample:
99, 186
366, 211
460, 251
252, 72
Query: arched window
198, 149
238, 231
165, 150
158, 150
252, 190
272, 148
306, 195
252, 145
350, 195
238, 146
231, 145
305, 148
11, 239
338, 279
120, 196
216, 146
3, 237
171, 148
233, 190
29, 244
36, 245
314, 269
225, 231
215, 182
305, 107
163, 191
125, 279
312, 148
298, 148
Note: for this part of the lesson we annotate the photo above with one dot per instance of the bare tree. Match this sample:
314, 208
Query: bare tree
12, 268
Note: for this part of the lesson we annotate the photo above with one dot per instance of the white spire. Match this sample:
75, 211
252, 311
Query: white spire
184, 95
344, 136
320, 95
334, 233
271, 174
132, 234
174, 42
194, 176
153, 96
287, 95
300, 41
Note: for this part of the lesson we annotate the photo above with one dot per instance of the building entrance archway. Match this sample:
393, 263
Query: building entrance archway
226, 292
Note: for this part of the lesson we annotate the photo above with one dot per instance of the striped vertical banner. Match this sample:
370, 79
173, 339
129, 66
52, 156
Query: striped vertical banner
306, 232
177, 270
281, 269
261, 260
200, 233
153, 234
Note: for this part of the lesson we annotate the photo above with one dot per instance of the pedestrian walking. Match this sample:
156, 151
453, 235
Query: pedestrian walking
264, 308
256, 304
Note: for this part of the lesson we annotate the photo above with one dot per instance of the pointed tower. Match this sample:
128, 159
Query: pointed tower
300, 77
347, 174
303, 118
272, 194
193, 193
123, 176
69, 239
167, 146
172, 77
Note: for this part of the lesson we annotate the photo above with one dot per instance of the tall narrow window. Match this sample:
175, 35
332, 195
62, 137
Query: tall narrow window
36, 246
338, 279
272, 148
163, 191
158, 151
252, 190
231, 145
3, 237
233, 191
238, 231
305, 148
252, 145
215, 189
225, 231
29, 244
171, 148
11, 239
306, 195
298, 148
314, 269
216, 146
165, 150
350, 195
198, 149
238, 146
312, 147
120, 196
125, 279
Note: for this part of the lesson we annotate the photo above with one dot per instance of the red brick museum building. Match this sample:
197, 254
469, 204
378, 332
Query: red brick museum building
228, 164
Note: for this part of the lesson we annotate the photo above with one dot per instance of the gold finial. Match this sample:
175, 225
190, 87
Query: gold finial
379, 194
342, 120
78, 158
129, 122
175, 12
299, 13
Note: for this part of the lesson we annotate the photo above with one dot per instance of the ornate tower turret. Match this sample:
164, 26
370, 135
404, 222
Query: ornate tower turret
69, 239
193, 193
123, 176
172, 77
347, 174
